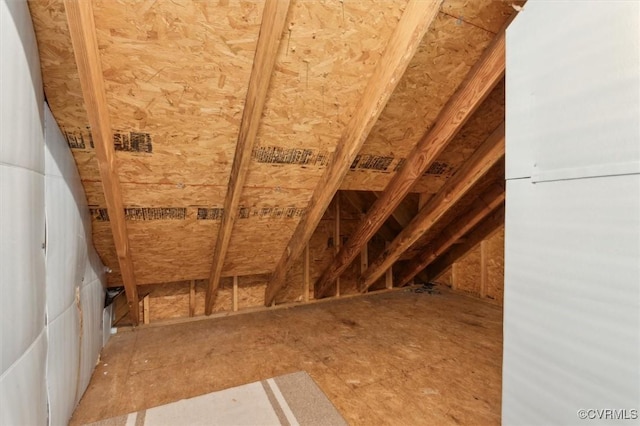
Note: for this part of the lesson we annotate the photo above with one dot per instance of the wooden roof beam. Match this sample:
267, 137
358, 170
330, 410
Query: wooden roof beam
273, 21
473, 90
85, 46
414, 23
482, 231
490, 200
488, 154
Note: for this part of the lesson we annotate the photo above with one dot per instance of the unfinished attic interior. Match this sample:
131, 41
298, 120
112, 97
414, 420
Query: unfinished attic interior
295, 212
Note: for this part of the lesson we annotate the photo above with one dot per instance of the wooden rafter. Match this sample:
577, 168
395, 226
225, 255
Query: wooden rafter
490, 200
456, 187
273, 21
85, 46
473, 90
483, 230
416, 20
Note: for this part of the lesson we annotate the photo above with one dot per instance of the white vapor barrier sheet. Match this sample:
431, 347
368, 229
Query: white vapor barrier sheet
23, 337
585, 54
74, 275
51, 279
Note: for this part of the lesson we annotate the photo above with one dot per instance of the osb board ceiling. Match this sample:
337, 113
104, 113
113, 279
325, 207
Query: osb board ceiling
176, 76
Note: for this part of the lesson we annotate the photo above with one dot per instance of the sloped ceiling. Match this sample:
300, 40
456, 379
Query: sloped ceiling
176, 76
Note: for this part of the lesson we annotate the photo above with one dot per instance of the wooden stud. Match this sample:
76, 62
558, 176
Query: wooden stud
423, 197
483, 269
416, 20
454, 275
192, 298
491, 199
482, 231
364, 258
388, 275
235, 294
85, 46
336, 235
306, 277
145, 309
477, 85
273, 22
456, 187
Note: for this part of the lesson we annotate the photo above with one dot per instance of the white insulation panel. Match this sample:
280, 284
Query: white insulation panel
51, 278
572, 227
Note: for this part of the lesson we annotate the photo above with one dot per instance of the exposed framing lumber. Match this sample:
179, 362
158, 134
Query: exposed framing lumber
234, 306
490, 200
273, 22
192, 298
456, 187
474, 89
145, 309
416, 20
306, 273
483, 269
361, 205
484, 230
400, 214
388, 275
85, 47
336, 234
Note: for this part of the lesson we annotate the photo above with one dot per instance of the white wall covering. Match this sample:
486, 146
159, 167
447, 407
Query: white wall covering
572, 244
22, 263
51, 297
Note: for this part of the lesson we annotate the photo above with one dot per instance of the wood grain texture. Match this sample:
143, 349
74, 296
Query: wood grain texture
474, 169
416, 19
483, 230
479, 82
82, 30
274, 17
487, 202
362, 205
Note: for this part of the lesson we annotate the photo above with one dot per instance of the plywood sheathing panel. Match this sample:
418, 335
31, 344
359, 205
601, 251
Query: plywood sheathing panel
495, 266
466, 273
487, 14
479, 126
495, 176
176, 76
179, 72
448, 51
328, 57
59, 71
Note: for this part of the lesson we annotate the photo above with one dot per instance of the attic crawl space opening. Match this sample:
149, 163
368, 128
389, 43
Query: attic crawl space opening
240, 154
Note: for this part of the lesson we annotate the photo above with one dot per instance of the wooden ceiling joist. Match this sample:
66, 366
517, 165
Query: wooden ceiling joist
456, 187
473, 90
271, 29
482, 231
490, 200
83, 37
416, 20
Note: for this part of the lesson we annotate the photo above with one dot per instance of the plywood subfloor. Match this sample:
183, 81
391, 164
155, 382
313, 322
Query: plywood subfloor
393, 358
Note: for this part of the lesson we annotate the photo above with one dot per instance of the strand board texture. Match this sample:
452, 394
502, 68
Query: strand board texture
176, 76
